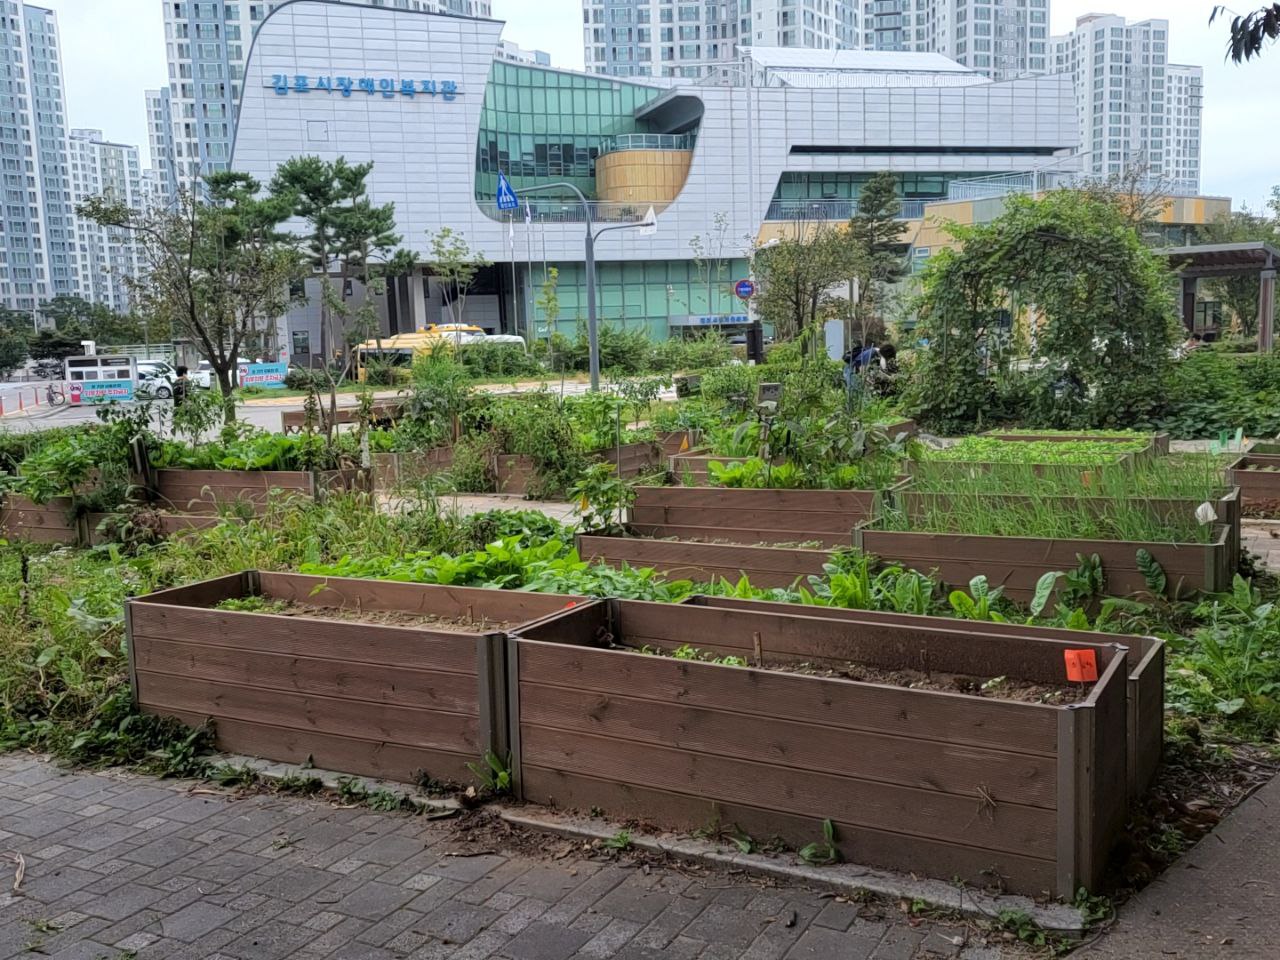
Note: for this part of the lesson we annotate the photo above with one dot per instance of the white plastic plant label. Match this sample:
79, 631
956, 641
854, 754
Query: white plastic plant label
1206, 514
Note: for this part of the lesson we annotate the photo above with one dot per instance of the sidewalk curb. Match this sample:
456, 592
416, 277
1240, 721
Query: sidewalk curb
273, 772
844, 878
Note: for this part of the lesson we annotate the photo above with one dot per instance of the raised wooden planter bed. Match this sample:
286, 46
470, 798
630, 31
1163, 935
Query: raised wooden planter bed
1258, 477
631, 459
51, 522
765, 566
206, 491
944, 784
1144, 661
909, 427
965, 469
294, 421
916, 504
1016, 563
362, 698
693, 469
752, 516
1159, 441
392, 470
673, 443
514, 473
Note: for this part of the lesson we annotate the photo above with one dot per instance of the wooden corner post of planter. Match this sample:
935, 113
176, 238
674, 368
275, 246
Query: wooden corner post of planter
1092, 786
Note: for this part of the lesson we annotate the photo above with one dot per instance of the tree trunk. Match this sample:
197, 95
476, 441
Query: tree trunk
228, 397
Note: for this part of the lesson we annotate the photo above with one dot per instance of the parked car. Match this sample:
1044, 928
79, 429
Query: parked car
202, 375
155, 379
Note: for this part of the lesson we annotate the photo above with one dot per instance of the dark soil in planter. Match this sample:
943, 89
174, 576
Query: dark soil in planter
991, 688
392, 618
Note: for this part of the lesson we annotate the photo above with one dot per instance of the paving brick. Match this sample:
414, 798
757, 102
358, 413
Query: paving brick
194, 921
125, 902
543, 941
458, 922
611, 939
727, 925
821, 943
373, 901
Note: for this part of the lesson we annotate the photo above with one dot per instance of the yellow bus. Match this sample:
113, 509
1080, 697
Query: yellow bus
403, 348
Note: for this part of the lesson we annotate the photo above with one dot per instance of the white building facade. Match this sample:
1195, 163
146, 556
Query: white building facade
1002, 39
668, 38
206, 45
1134, 108
376, 80
37, 232
106, 258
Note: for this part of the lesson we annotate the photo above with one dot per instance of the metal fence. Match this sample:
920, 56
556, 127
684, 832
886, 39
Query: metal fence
829, 210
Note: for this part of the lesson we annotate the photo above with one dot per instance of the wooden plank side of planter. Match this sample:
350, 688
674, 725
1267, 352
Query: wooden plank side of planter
1144, 662
630, 459
904, 761
900, 772
24, 519
886, 849
417, 686
510, 607
1259, 489
816, 794
367, 758
514, 473
1017, 563
304, 636
972, 721
378, 722
1092, 765
795, 635
391, 470
706, 562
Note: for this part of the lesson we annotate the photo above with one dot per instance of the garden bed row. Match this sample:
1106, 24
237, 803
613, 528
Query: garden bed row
594, 711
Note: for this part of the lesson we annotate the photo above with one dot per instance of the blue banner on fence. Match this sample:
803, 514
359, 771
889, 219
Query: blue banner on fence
268, 375
100, 391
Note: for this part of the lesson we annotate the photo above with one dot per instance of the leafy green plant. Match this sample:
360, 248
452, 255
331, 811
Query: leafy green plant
822, 852
494, 773
603, 498
620, 841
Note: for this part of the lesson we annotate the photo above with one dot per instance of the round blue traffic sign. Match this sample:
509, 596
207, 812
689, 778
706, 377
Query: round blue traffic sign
745, 289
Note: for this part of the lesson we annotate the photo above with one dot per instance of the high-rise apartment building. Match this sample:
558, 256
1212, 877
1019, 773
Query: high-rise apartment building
106, 258
662, 38
1003, 39
160, 139
1184, 94
1134, 107
36, 230
206, 43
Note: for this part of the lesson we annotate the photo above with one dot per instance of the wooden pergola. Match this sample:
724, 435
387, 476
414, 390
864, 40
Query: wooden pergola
1229, 260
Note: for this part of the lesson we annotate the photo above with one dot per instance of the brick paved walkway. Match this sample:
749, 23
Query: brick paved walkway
118, 867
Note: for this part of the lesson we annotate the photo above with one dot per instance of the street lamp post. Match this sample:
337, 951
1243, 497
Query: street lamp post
593, 333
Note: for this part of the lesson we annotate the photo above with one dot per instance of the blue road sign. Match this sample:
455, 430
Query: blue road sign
507, 199
745, 289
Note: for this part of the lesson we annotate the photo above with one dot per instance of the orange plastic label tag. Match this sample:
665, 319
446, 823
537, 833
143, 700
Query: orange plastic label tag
684, 444
1082, 665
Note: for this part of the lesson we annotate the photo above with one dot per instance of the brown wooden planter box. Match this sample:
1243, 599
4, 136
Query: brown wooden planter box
674, 443
51, 522
909, 427
206, 491
1144, 661
357, 697
631, 459
765, 566
916, 504
964, 469
1159, 441
294, 421
514, 473
392, 470
693, 467
1017, 563
1259, 489
938, 783
752, 516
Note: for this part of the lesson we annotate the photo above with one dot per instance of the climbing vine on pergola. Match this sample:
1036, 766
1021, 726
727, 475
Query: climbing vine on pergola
1100, 302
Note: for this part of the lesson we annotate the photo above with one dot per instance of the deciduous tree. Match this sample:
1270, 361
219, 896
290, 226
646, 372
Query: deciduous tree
217, 271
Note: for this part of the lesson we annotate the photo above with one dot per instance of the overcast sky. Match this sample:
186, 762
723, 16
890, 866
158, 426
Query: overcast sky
114, 49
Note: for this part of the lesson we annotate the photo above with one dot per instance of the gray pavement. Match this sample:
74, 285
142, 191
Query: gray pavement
121, 866
1222, 900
